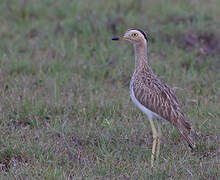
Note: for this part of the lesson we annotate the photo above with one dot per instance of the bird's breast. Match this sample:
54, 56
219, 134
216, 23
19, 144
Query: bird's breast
144, 109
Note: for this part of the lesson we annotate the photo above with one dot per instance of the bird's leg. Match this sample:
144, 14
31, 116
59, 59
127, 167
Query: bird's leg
158, 140
154, 142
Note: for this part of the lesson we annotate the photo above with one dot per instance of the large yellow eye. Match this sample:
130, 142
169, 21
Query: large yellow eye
134, 34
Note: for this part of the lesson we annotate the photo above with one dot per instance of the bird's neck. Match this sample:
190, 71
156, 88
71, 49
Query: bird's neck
141, 60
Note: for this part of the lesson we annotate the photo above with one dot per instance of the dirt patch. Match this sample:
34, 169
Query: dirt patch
204, 42
207, 43
32, 33
113, 24
15, 161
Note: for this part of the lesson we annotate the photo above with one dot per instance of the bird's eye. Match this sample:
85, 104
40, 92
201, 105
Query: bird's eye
134, 34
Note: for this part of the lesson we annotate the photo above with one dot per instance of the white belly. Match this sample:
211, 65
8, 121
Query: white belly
145, 110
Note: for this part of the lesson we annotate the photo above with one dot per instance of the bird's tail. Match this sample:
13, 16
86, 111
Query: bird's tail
186, 131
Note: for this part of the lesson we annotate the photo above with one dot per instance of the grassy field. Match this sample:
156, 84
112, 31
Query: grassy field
65, 110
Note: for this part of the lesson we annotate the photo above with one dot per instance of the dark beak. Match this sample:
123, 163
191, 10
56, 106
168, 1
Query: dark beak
118, 38
115, 38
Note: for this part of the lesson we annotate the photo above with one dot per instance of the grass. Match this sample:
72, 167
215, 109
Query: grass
64, 102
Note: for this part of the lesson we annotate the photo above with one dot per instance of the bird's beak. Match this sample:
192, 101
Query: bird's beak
118, 38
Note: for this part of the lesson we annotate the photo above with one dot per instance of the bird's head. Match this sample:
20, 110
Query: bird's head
135, 36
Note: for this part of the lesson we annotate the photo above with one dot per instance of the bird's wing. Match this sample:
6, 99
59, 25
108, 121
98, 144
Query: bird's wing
158, 97
155, 95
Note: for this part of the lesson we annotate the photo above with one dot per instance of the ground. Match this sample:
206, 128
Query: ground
65, 110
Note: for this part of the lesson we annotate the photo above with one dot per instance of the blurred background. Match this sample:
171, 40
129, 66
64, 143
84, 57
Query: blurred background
65, 110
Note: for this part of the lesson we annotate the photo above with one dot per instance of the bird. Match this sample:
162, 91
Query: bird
152, 95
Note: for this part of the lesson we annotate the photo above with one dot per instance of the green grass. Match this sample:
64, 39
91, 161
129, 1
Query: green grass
65, 110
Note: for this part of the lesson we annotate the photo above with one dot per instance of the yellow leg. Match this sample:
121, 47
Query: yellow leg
154, 142
158, 140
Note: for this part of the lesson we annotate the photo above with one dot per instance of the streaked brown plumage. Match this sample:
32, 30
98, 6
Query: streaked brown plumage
151, 95
160, 99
